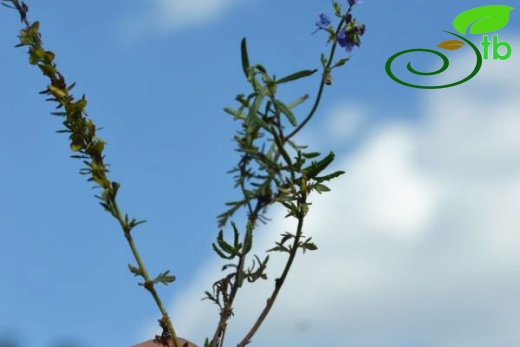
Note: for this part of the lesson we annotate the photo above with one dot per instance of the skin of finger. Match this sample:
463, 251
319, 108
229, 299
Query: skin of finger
151, 343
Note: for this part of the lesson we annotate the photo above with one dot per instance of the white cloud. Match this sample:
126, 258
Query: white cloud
346, 121
418, 243
158, 17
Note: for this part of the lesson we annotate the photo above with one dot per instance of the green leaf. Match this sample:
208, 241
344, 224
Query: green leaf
236, 242
219, 252
134, 222
61, 114
245, 58
279, 144
320, 188
69, 88
8, 5
337, 9
483, 19
107, 207
226, 247
270, 164
236, 114
76, 107
340, 62
248, 242
57, 92
279, 248
311, 155
286, 236
102, 181
76, 143
36, 55
293, 210
254, 110
296, 75
95, 148
35, 26
266, 79
261, 68
308, 246
164, 278
136, 271
324, 60
259, 273
287, 112
115, 188
329, 177
298, 101
48, 57
316, 167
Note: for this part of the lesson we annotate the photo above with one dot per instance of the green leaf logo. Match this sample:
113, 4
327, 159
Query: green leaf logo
482, 20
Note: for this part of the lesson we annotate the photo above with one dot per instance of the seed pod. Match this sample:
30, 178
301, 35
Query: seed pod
328, 79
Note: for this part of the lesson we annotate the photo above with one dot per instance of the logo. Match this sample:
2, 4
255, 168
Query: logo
480, 21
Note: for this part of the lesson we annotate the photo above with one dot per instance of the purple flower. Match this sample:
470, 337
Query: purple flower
323, 22
354, 2
349, 36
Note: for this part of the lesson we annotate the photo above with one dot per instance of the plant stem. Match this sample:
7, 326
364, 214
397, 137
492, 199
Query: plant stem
97, 158
148, 282
322, 83
279, 281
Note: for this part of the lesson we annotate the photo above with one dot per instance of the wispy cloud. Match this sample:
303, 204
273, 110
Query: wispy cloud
418, 243
160, 17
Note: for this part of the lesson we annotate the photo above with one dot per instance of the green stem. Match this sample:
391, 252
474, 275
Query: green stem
280, 281
22, 8
148, 282
326, 70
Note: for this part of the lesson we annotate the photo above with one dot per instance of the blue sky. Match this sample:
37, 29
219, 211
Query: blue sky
418, 242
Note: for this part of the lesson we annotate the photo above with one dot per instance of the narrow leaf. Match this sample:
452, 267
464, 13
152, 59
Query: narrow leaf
226, 247
296, 75
245, 58
329, 177
248, 242
298, 101
136, 271
316, 167
287, 112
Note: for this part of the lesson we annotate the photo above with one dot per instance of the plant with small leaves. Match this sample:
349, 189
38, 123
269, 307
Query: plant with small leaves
85, 142
272, 170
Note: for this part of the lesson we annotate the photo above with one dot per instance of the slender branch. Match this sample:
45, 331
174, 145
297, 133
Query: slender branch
84, 141
148, 282
218, 336
326, 71
281, 280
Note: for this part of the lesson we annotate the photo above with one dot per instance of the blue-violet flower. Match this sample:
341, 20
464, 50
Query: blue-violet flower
323, 22
350, 36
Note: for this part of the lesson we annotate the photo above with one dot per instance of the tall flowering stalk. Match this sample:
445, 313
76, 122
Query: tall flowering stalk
272, 168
